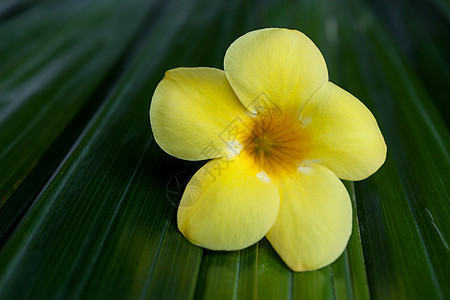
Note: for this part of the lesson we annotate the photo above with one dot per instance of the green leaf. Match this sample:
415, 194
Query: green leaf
43, 86
88, 210
412, 195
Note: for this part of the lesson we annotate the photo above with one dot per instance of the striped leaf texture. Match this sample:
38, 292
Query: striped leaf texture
88, 200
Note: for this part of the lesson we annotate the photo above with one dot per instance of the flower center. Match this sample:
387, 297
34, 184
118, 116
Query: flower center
276, 143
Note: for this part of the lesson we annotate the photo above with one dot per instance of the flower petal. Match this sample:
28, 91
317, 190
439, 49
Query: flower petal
315, 219
227, 205
190, 109
344, 134
276, 67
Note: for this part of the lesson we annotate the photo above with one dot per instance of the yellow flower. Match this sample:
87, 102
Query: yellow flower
279, 135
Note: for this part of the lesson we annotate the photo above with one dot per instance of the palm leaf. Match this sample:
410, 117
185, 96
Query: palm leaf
86, 210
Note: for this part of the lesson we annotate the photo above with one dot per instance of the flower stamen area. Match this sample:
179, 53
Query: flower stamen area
277, 144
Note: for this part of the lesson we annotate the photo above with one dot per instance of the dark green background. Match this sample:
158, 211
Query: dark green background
84, 209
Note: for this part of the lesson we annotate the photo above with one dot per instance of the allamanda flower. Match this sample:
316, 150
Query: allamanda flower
280, 136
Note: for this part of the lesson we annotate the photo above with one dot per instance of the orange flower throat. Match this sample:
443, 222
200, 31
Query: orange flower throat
276, 143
